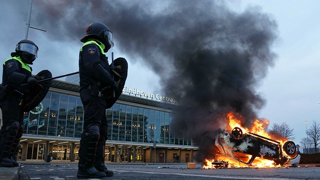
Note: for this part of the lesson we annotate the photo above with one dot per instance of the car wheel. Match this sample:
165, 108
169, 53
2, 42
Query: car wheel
290, 148
237, 132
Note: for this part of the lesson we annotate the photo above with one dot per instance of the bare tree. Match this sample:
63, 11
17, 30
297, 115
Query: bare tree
314, 134
306, 143
283, 129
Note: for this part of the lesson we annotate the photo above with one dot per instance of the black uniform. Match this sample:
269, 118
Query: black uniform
15, 73
99, 90
97, 86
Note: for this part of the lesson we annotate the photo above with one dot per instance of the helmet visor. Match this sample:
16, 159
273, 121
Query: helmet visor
108, 37
29, 48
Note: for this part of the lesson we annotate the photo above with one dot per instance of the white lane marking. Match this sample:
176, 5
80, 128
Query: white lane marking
211, 176
51, 169
35, 178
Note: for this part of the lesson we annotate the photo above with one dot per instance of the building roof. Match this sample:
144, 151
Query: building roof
128, 98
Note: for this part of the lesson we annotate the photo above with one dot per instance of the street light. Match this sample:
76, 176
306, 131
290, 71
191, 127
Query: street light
28, 22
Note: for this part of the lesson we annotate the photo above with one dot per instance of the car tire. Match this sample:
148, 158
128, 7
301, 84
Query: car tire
290, 148
237, 132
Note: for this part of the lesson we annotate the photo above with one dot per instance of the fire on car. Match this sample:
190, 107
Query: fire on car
250, 147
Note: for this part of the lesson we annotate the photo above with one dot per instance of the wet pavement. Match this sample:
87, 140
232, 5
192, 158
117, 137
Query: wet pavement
59, 171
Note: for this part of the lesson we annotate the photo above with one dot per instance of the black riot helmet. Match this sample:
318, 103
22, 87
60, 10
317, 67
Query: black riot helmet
27, 50
101, 32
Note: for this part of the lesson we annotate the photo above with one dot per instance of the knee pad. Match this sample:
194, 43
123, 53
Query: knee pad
92, 132
13, 128
121, 65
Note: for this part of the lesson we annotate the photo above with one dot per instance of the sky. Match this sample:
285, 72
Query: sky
290, 87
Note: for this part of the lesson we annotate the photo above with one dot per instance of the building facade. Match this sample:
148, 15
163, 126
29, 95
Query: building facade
138, 129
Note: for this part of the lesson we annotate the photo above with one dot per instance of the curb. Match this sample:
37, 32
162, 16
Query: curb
12, 173
308, 165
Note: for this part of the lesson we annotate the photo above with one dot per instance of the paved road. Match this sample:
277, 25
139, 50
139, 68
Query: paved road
60, 171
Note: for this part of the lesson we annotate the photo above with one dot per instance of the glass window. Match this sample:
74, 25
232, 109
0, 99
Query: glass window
128, 123
181, 142
140, 125
146, 125
134, 124
109, 121
157, 126
71, 117
53, 115
151, 126
172, 139
166, 128
79, 118
33, 123
44, 115
189, 142
115, 122
122, 124
176, 141
162, 127
25, 122
62, 114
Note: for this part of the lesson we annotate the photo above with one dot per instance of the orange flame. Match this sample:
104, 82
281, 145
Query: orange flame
258, 127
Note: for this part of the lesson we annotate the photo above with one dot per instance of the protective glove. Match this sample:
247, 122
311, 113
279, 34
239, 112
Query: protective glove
32, 81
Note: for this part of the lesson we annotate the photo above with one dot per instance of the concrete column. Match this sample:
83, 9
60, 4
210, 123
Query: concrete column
191, 155
179, 156
46, 150
129, 154
151, 160
72, 152
166, 155
134, 153
125, 150
116, 153
110, 154
143, 155
24, 151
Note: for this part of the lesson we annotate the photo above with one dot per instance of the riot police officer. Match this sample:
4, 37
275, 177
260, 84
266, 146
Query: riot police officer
100, 86
16, 71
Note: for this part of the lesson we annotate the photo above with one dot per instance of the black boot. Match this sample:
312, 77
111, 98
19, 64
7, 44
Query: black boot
99, 159
15, 147
102, 168
14, 157
6, 162
85, 172
88, 144
7, 141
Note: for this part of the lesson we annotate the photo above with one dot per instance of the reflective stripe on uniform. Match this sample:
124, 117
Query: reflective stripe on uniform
23, 64
101, 46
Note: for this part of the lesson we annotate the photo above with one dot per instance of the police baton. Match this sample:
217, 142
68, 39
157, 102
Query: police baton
49, 79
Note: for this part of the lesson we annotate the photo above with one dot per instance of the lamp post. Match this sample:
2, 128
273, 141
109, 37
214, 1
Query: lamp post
28, 22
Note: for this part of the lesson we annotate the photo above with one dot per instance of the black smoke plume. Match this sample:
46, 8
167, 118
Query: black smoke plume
208, 57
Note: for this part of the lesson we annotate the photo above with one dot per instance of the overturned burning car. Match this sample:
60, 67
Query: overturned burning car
246, 147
